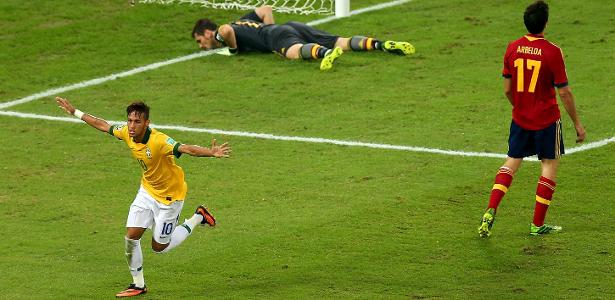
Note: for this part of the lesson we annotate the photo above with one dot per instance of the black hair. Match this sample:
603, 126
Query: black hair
536, 16
140, 108
201, 25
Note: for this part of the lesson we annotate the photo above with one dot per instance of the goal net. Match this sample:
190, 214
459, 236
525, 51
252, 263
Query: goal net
284, 6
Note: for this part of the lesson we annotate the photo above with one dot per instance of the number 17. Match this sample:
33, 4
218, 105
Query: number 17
533, 65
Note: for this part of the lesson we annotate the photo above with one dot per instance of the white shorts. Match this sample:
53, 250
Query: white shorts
146, 212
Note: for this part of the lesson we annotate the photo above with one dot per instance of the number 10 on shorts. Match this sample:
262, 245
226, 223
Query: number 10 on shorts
167, 228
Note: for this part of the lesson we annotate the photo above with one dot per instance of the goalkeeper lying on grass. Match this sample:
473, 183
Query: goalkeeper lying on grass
257, 31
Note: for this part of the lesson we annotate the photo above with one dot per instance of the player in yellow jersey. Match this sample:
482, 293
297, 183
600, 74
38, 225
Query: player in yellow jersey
160, 198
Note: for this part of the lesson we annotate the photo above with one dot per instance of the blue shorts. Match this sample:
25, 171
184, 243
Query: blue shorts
545, 143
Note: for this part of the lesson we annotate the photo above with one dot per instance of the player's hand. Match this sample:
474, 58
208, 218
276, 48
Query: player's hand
223, 150
580, 132
225, 51
65, 105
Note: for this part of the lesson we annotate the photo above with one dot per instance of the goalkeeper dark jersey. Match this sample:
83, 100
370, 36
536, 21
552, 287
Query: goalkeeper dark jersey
252, 34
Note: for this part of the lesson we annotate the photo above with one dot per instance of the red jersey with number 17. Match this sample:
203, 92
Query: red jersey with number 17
535, 67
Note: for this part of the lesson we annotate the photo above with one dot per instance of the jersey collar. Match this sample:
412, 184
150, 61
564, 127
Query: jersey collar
532, 37
145, 136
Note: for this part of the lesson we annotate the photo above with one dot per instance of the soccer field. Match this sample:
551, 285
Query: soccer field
367, 181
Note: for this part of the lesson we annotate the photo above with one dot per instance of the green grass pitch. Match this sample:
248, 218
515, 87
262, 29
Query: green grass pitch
302, 220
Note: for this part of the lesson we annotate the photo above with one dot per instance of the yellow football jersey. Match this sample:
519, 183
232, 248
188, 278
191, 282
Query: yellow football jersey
162, 178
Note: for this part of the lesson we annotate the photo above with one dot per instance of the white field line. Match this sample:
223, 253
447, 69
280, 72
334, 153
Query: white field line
591, 145
268, 136
360, 11
97, 81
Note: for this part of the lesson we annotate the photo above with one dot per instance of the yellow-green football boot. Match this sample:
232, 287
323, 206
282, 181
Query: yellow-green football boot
401, 48
327, 61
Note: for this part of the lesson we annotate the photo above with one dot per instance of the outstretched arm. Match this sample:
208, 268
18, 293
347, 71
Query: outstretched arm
565, 94
93, 121
265, 13
223, 150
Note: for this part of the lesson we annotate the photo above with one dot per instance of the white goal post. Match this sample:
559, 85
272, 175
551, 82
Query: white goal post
341, 8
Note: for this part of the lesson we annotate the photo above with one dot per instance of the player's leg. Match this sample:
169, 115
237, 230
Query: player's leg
544, 194
314, 51
139, 218
520, 145
306, 51
200, 217
310, 34
168, 235
308, 43
503, 180
362, 43
293, 52
288, 42
550, 147
134, 258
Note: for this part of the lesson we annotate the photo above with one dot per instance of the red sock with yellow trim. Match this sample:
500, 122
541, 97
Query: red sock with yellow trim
544, 194
502, 182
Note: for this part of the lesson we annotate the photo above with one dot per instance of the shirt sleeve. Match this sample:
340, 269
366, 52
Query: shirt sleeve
170, 146
219, 38
118, 131
560, 79
506, 73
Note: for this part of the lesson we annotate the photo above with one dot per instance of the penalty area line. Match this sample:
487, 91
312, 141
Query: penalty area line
267, 136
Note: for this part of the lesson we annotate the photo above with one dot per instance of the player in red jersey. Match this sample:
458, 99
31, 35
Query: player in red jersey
533, 68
